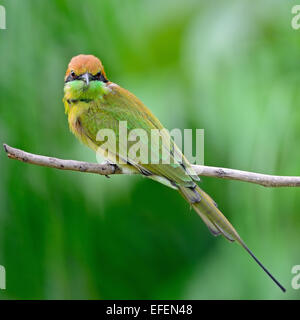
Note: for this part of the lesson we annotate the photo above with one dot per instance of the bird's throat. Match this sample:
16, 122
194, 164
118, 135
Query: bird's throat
78, 90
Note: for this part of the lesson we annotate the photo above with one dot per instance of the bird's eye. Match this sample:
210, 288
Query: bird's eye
71, 77
99, 76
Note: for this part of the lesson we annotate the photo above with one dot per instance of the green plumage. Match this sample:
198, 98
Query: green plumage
120, 105
96, 105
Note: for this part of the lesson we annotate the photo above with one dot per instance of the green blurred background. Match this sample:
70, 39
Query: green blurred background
230, 67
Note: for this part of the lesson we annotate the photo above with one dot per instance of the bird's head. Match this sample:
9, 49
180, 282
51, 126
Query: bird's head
85, 78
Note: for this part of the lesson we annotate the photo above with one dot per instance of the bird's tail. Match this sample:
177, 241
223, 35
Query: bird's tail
216, 222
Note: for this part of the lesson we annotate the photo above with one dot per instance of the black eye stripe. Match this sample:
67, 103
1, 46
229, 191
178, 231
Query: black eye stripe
98, 77
71, 78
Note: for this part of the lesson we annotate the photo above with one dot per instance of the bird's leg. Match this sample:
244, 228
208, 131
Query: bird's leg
107, 162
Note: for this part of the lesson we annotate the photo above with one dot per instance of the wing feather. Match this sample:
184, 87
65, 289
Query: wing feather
121, 105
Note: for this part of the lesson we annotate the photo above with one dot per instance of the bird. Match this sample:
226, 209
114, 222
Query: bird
93, 103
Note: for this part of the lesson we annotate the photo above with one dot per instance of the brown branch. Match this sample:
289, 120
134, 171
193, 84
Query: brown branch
103, 169
108, 169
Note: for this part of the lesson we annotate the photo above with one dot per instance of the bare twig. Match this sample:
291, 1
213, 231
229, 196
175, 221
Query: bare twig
103, 169
108, 169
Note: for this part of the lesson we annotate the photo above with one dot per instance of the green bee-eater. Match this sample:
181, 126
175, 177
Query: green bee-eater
92, 103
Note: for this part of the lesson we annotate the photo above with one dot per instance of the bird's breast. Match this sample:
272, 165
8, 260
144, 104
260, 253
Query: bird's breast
76, 110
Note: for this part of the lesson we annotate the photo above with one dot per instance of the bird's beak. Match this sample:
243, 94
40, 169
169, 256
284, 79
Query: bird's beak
86, 78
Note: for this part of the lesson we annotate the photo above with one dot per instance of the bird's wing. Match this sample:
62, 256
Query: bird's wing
121, 105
